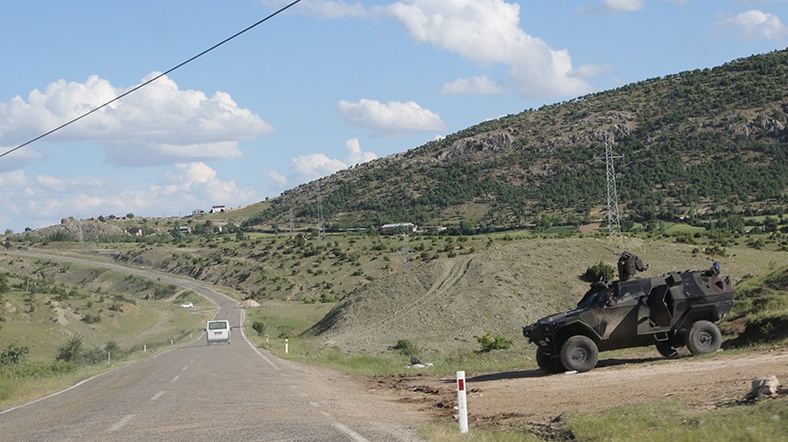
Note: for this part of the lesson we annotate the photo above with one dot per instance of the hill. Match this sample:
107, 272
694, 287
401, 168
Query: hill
435, 291
700, 143
708, 147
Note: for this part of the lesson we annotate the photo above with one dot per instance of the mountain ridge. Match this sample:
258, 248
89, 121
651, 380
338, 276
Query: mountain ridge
697, 142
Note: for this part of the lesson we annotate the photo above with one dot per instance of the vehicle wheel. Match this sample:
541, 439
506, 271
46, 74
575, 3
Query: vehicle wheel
548, 364
667, 350
703, 337
579, 353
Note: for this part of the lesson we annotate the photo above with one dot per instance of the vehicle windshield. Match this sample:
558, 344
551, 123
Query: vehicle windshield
218, 325
596, 297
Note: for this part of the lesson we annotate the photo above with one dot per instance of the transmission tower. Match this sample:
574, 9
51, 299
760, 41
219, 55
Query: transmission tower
319, 215
613, 219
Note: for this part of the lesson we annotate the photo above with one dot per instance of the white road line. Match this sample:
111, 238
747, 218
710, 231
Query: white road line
53, 394
353, 435
184, 368
157, 395
119, 424
252, 345
174, 379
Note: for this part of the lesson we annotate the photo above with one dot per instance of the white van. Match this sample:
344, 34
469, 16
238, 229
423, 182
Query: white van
218, 331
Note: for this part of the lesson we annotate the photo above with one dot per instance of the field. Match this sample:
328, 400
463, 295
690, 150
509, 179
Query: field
368, 314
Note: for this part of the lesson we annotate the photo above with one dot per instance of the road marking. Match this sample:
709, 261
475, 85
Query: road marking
157, 395
53, 394
119, 424
353, 435
184, 368
174, 379
255, 348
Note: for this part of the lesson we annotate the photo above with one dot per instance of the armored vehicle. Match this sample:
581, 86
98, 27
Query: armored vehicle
674, 311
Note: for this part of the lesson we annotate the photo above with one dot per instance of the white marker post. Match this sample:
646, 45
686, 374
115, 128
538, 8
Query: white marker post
286, 344
462, 403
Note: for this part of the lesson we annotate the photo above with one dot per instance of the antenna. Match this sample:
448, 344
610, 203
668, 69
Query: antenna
613, 219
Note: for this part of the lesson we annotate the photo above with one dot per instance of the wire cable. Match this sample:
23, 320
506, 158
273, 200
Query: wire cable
140, 86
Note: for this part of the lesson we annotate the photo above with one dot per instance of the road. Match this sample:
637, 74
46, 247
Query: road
223, 391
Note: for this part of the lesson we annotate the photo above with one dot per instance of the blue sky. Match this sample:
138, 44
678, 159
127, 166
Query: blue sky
319, 88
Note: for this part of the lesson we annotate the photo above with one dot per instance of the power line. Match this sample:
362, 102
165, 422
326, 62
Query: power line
140, 86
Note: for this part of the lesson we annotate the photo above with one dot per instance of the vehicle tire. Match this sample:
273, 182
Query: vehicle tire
703, 337
579, 353
548, 364
667, 350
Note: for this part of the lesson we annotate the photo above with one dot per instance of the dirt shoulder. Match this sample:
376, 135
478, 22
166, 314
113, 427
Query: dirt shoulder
528, 397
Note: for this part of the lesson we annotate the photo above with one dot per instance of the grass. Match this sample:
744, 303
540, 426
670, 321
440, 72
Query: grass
669, 420
45, 303
451, 433
332, 272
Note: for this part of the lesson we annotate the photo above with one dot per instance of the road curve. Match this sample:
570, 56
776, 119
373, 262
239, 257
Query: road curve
199, 392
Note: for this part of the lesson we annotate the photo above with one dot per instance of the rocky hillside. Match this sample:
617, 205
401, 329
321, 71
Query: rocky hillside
704, 142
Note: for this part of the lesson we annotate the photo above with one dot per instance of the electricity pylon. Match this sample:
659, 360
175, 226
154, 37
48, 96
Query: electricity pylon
613, 219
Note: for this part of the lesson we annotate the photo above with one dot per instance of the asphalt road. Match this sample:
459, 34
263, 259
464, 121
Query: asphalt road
198, 392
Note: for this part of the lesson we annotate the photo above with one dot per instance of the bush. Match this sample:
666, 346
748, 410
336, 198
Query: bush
69, 352
92, 318
599, 271
405, 347
259, 327
490, 343
14, 354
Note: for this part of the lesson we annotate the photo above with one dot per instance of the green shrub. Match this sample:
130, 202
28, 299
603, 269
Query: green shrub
490, 343
599, 271
259, 327
69, 352
14, 354
92, 318
405, 347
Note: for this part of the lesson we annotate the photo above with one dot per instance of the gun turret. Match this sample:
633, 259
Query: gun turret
628, 264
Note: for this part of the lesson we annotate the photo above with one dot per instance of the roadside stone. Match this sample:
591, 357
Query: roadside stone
765, 386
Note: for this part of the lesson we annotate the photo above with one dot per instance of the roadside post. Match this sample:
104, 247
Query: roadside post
462, 403
286, 345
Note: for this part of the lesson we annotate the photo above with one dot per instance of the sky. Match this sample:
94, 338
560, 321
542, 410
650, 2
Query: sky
317, 88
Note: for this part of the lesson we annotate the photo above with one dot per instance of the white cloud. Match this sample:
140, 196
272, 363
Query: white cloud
152, 126
17, 159
592, 70
390, 119
616, 6
474, 85
13, 179
753, 25
355, 154
488, 32
315, 165
186, 186
329, 9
